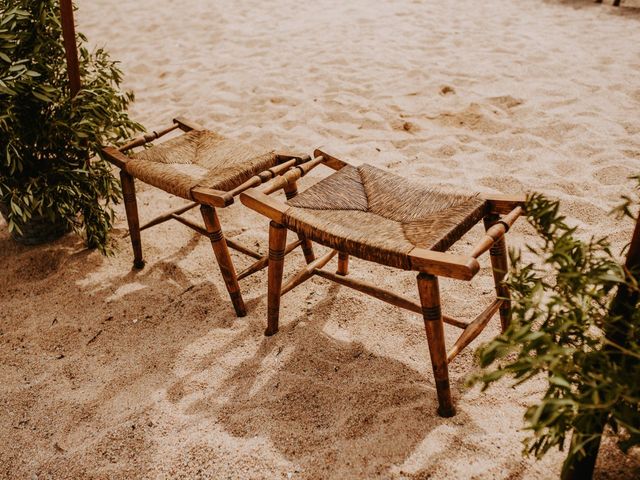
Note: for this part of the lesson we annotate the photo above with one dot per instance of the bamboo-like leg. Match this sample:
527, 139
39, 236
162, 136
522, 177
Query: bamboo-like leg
500, 266
221, 250
290, 191
434, 326
131, 208
343, 264
277, 244
307, 248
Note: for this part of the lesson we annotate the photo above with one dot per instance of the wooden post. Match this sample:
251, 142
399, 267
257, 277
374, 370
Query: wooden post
277, 244
70, 47
290, 191
221, 250
430, 300
343, 264
499, 265
131, 208
633, 256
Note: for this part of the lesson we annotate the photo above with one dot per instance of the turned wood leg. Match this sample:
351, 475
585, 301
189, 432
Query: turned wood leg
277, 244
343, 264
500, 266
221, 250
290, 191
131, 208
430, 300
307, 248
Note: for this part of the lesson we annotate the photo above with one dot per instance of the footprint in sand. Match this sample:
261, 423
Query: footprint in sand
631, 128
504, 184
447, 90
505, 101
140, 69
445, 151
407, 126
635, 95
633, 154
585, 211
475, 117
613, 175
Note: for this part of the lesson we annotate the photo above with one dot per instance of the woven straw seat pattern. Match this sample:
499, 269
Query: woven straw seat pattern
379, 216
199, 158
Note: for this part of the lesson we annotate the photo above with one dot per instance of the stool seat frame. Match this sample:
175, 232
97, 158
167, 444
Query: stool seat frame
209, 200
503, 211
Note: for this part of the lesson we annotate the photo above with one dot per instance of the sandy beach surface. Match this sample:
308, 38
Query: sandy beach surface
112, 373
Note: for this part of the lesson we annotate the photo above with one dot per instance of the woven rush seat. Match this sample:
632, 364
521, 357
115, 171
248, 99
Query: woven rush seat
378, 216
209, 170
375, 215
199, 158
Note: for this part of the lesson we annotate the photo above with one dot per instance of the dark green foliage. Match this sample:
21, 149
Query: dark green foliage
45, 136
565, 327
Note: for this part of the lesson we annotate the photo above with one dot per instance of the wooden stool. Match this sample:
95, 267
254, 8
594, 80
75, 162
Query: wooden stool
381, 217
208, 170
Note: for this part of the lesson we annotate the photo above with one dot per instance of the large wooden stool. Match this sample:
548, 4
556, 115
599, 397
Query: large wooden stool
381, 217
209, 170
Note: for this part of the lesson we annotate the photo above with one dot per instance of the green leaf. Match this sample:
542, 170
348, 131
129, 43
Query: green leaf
559, 381
562, 322
46, 135
41, 96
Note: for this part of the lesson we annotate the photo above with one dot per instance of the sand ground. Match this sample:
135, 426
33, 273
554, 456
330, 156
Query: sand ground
112, 373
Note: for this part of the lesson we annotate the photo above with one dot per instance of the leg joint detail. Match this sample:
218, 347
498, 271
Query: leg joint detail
432, 313
498, 248
276, 254
216, 236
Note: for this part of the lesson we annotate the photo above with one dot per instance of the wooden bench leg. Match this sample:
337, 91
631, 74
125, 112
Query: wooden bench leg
290, 191
500, 266
221, 250
434, 326
131, 208
307, 248
343, 264
277, 244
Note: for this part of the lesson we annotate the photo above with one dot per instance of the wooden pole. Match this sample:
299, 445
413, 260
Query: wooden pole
71, 52
70, 47
290, 191
277, 245
131, 208
221, 251
633, 257
343, 264
499, 265
430, 301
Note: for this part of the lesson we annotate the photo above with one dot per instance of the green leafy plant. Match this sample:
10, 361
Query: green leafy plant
575, 320
47, 137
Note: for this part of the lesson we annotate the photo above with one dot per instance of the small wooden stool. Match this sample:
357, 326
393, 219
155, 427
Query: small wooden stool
381, 217
209, 170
